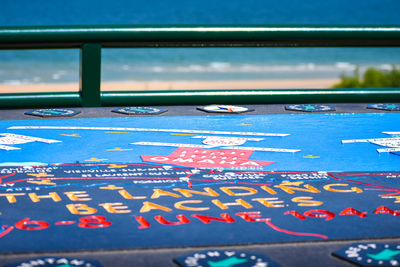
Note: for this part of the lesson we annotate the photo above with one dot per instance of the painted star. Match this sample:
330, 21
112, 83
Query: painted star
391, 106
310, 107
71, 135
118, 149
115, 166
311, 157
227, 262
95, 159
386, 254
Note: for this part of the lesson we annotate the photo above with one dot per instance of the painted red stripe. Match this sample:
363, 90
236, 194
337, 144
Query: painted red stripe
5, 232
373, 185
276, 228
65, 223
5, 176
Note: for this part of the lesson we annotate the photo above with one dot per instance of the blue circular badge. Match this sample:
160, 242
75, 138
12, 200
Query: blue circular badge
385, 106
212, 258
139, 110
55, 262
371, 254
310, 107
225, 109
53, 112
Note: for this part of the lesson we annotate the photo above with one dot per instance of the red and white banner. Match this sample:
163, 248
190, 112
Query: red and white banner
208, 158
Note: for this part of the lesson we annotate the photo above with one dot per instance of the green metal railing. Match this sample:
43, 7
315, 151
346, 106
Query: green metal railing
92, 39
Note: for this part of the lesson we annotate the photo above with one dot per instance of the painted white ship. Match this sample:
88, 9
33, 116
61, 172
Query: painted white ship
390, 144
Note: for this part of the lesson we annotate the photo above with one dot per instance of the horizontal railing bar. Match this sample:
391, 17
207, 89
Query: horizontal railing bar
250, 96
173, 36
204, 44
278, 96
19, 100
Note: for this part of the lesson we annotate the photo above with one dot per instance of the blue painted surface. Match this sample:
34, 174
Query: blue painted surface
58, 202
319, 135
320, 210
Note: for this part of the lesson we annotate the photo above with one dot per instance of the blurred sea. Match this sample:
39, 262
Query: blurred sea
38, 66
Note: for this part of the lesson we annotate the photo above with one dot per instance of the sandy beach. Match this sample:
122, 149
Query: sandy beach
172, 85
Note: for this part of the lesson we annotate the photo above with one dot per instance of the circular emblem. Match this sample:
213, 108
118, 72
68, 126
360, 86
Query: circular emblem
212, 258
139, 110
53, 112
371, 254
310, 107
386, 106
55, 262
224, 109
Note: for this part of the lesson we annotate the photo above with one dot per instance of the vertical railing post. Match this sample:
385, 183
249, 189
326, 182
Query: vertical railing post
90, 75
